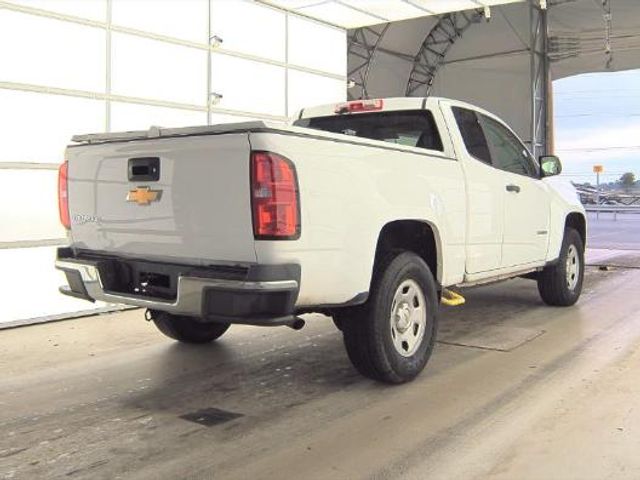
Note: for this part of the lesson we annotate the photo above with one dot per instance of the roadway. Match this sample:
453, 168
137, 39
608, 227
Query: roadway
515, 389
622, 233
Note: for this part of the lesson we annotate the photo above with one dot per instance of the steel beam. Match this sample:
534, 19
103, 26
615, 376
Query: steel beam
539, 79
363, 44
434, 49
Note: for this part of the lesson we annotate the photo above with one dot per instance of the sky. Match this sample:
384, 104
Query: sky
597, 121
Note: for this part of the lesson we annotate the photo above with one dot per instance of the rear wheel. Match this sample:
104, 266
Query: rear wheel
187, 329
561, 284
391, 337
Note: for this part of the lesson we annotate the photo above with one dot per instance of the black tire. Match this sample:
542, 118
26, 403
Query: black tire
555, 287
368, 336
338, 321
187, 329
342, 315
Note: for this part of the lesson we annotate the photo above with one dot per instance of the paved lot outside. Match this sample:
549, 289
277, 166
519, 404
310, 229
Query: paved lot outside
620, 234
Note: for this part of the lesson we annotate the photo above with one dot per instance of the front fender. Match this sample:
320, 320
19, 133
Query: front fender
564, 201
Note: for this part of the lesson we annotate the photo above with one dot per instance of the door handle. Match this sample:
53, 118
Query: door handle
513, 188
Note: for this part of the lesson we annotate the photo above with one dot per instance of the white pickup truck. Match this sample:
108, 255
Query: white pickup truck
364, 211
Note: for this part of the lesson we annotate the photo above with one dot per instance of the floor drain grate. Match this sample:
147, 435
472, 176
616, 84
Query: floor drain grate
210, 416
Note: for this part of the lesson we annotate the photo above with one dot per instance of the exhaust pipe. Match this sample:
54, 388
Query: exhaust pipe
297, 324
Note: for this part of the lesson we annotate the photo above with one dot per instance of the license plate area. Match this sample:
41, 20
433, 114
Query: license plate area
141, 279
155, 284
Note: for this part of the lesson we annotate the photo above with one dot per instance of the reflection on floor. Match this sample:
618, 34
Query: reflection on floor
109, 397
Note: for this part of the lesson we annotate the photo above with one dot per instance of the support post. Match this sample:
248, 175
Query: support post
540, 78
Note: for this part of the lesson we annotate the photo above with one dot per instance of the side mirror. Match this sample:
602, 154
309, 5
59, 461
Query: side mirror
550, 165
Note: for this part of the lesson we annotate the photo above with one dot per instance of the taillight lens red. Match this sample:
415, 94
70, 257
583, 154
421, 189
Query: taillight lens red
63, 195
274, 197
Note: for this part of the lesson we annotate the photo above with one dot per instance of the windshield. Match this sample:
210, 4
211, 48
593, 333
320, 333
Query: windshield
410, 128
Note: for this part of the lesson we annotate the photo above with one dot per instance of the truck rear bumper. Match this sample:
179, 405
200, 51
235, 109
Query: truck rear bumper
248, 294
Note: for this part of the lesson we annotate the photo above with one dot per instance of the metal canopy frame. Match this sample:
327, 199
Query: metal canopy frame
540, 79
434, 48
363, 43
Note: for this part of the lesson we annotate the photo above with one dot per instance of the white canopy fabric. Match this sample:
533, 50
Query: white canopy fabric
490, 63
583, 21
360, 13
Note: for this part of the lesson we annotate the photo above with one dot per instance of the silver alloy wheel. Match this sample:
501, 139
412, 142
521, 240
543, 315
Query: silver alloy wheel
572, 267
408, 318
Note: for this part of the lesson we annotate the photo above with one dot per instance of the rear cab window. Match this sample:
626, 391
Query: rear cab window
472, 134
409, 128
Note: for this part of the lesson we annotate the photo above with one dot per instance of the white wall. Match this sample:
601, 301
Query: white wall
80, 66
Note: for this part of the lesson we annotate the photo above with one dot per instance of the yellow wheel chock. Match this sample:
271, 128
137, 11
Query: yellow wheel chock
451, 298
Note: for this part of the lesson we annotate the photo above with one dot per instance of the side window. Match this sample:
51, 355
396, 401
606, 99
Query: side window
472, 134
507, 152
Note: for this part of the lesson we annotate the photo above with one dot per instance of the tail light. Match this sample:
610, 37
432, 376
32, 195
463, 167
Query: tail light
274, 197
63, 195
360, 106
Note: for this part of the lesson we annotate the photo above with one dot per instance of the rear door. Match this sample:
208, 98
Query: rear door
485, 199
195, 208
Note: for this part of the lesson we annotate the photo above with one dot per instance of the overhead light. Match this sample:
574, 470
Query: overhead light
214, 98
215, 41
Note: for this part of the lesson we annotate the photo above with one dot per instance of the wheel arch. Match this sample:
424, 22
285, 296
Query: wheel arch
418, 236
577, 221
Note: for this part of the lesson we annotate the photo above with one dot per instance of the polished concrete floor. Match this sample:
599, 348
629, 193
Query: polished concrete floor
515, 390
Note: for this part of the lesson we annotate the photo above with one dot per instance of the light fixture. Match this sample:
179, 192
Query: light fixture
215, 41
214, 98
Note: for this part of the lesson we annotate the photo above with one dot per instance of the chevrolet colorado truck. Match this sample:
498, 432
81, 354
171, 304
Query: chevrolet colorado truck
365, 211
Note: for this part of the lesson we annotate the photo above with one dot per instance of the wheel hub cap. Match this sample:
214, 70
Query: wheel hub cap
403, 318
572, 267
408, 318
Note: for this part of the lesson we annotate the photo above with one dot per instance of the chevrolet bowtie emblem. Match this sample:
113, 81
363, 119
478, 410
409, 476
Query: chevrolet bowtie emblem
143, 195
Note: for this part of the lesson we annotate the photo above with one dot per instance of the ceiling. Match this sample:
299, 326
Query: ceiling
361, 13
489, 64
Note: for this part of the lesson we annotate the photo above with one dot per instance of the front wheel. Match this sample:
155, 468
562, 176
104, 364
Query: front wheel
187, 329
391, 337
561, 284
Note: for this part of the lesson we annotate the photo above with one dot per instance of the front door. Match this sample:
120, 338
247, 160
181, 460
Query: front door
526, 199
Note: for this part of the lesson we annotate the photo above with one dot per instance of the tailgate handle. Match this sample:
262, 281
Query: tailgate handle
146, 169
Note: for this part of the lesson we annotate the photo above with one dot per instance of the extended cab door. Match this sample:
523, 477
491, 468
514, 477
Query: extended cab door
526, 199
485, 199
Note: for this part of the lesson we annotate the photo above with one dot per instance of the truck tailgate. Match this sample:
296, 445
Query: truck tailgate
198, 210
